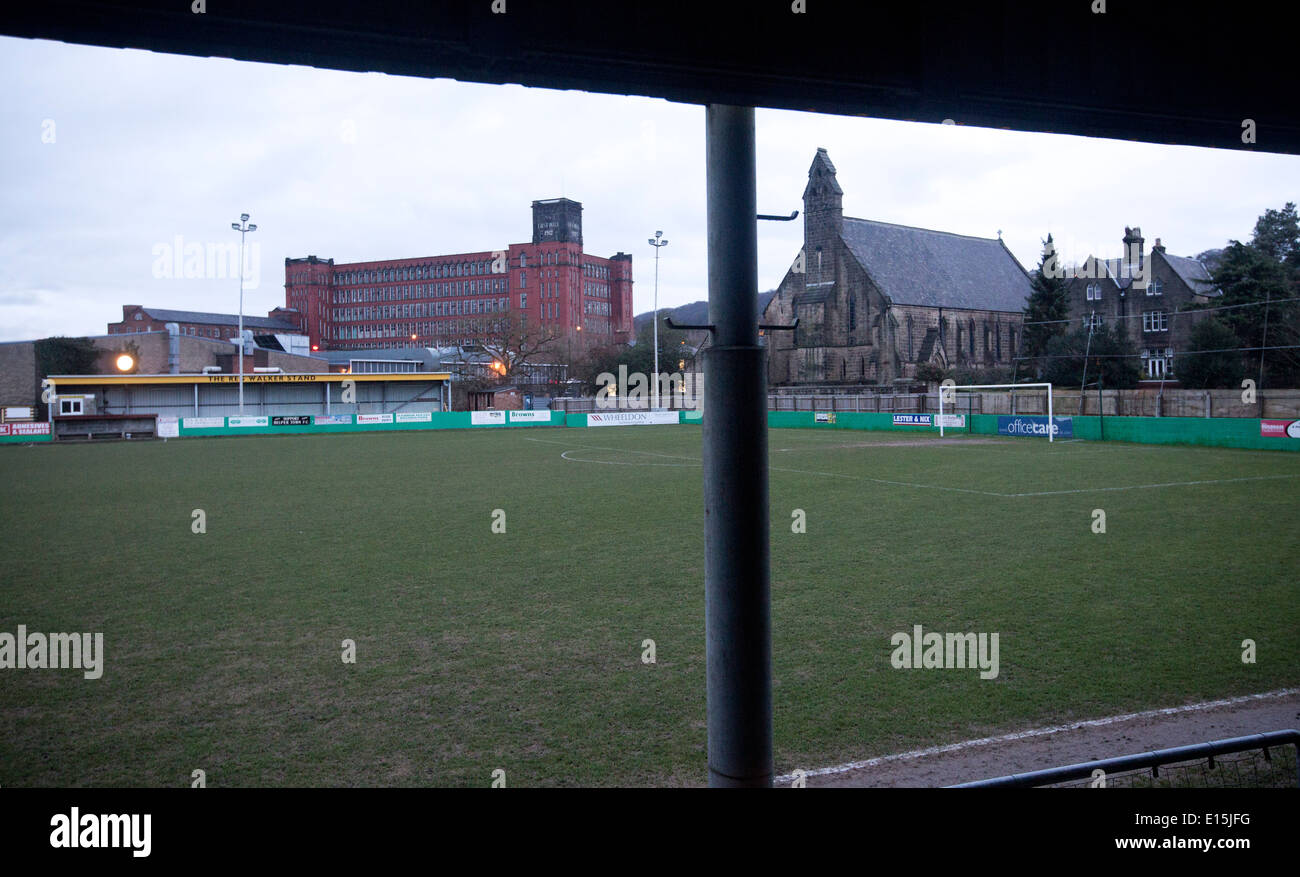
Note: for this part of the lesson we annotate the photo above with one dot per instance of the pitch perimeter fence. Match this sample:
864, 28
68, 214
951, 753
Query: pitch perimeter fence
1273, 404
1252, 762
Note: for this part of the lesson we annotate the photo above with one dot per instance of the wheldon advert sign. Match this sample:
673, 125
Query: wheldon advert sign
631, 418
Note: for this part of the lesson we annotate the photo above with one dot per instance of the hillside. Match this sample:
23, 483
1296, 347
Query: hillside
697, 312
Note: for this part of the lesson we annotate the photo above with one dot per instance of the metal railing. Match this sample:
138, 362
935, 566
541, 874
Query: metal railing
1146, 760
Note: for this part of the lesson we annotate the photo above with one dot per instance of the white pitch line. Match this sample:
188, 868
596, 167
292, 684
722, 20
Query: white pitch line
883, 481
1147, 486
1035, 732
917, 484
564, 455
615, 450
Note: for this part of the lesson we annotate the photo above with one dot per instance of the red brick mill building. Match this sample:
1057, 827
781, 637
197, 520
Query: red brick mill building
463, 298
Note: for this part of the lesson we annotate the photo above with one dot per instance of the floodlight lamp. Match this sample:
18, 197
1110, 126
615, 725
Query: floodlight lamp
243, 217
125, 362
253, 227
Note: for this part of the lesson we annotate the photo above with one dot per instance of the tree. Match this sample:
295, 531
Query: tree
675, 353
513, 343
61, 355
973, 374
1211, 370
930, 372
1277, 235
1255, 285
1047, 308
1111, 358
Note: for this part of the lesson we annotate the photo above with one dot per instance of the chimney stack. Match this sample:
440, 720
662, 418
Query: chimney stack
1134, 254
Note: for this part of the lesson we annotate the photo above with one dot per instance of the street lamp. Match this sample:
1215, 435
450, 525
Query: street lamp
657, 244
243, 229
568, 368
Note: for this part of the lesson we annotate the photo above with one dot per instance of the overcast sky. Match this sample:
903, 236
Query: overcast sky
108, 157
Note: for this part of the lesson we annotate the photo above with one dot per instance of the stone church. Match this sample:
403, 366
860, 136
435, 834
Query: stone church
875, 300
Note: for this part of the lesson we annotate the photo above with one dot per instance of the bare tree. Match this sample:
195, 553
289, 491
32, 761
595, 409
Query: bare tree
512, 342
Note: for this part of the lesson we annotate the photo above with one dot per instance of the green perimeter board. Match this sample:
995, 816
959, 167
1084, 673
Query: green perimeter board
1207, 432
1222, 432
440, 420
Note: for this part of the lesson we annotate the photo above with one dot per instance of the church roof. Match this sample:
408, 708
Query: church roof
917, 266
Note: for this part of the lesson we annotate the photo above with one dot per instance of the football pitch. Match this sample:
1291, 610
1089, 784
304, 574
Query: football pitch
524, 651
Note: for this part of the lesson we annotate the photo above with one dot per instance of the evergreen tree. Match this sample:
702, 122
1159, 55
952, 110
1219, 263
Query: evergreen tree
1251, 276
61, 355
1110, 357
1211, 370
1046, 309
1277, 235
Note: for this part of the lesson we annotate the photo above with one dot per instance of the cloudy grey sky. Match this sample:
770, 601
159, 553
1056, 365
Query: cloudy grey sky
107, 157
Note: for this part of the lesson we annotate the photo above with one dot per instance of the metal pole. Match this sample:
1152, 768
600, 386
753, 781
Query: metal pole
1101, 408
243, 227
658, 244
737, 616
1263, 345
241, 322
1092, 316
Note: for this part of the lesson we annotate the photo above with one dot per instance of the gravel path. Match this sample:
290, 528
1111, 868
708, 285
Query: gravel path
1143, 733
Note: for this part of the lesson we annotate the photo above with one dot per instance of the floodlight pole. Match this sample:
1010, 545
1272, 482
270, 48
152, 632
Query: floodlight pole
658, 245
737, 612
243, 228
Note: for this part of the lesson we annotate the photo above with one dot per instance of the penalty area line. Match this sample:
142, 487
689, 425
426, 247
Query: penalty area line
1035, 732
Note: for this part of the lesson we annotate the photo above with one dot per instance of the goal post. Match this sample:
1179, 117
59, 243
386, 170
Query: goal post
950, 391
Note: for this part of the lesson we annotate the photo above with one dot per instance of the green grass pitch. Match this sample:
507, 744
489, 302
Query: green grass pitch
523, 650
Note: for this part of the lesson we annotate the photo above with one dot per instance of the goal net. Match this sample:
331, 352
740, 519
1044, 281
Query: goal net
948, 400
